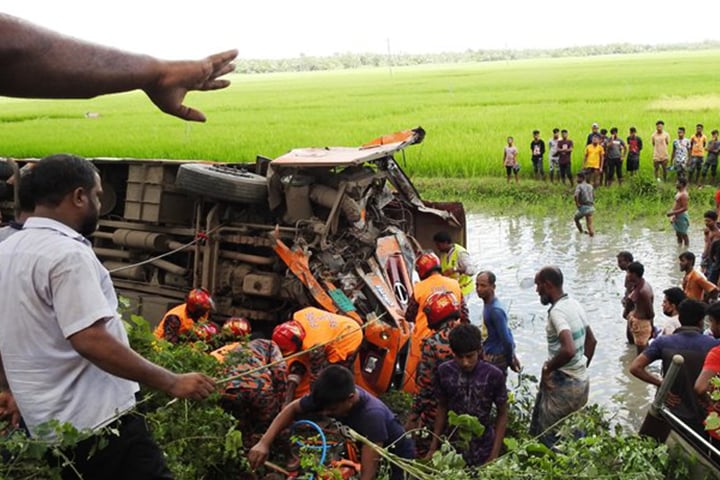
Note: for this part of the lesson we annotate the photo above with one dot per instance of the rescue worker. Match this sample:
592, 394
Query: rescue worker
455, 262
255, 398
431, 281
443, 312
181, 320
310, 327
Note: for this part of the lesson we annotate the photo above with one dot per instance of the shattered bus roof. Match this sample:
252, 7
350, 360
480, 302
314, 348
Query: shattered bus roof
346, 156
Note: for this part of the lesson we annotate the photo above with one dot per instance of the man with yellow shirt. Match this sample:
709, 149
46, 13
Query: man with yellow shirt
594, 160
310, 328
455, 262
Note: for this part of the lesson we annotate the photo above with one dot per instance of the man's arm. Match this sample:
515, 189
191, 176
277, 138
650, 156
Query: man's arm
369, 459
590, 343
500, 426
439, 427
40, 63
702, 384
97, 345
637, 368
259, 453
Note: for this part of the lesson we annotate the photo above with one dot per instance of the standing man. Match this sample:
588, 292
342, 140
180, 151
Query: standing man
594, 161
634, 146
624, 259
672, 299
455, 262
565, 148
694, 283
585, 202
595, 130
615, 152
498, 345
698, 144
711, 161
711, 233
680, 154
554, 158
564, 381
431, 283
688, 341
64, 348
660, 141
679, 218
642, 314
537, 150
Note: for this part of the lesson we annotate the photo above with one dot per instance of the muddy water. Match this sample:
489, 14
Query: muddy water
515, 248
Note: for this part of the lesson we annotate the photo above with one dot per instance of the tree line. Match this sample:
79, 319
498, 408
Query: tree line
347, 61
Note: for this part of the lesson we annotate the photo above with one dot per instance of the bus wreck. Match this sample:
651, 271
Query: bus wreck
337, 228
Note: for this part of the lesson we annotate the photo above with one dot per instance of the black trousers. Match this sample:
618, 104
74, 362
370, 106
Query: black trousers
131, 455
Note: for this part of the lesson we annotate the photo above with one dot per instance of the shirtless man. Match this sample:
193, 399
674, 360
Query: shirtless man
678, 215
641, 316
712, 233
624, 259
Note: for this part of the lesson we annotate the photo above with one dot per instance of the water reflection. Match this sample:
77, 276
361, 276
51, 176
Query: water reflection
514, 248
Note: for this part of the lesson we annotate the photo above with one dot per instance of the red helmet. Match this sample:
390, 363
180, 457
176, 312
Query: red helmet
236, 327
198, 302
205, 331
441, 306
289, 337
427, 263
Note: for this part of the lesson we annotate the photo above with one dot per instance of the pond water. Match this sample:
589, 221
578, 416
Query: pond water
514, 248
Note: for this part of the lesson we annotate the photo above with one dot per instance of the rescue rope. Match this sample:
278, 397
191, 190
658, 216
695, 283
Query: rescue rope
200, 237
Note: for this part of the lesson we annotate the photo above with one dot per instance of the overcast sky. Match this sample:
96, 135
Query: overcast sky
285, 28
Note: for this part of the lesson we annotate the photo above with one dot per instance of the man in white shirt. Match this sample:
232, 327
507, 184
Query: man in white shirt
64, 349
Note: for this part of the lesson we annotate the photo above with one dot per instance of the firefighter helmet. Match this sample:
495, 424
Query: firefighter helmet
289, 337
198, 302
441, 306
205, 331
427, 263
236, 327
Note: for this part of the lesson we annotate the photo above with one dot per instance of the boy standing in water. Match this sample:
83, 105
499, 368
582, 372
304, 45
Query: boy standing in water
585, 202
510, 159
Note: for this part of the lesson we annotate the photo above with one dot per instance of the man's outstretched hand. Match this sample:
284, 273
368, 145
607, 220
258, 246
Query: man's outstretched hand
176, 78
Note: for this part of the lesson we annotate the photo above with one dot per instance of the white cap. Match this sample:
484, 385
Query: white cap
595, 125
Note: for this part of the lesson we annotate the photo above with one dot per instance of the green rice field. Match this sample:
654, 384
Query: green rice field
468, 110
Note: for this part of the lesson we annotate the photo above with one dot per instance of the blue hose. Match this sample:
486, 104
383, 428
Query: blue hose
323, 448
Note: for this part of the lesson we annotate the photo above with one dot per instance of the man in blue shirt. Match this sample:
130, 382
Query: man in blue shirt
688, 341
498, 345
335, 394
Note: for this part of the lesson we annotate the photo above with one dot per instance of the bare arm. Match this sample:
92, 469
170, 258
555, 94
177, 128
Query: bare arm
40, 63
500, 426
702, 384
637, 368
97, 345
567, 352
590, 343
368, 462
259, 453
439, 427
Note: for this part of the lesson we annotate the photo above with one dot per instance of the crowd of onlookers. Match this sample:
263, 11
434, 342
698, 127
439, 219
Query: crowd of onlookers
604, 152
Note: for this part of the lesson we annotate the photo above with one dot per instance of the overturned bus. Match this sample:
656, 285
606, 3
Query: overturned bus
333, 227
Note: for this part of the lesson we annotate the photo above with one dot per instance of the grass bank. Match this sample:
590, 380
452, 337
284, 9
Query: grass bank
638, 199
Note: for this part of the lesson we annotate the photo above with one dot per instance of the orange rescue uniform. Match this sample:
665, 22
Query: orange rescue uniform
186, 323
421, 292
321, 326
